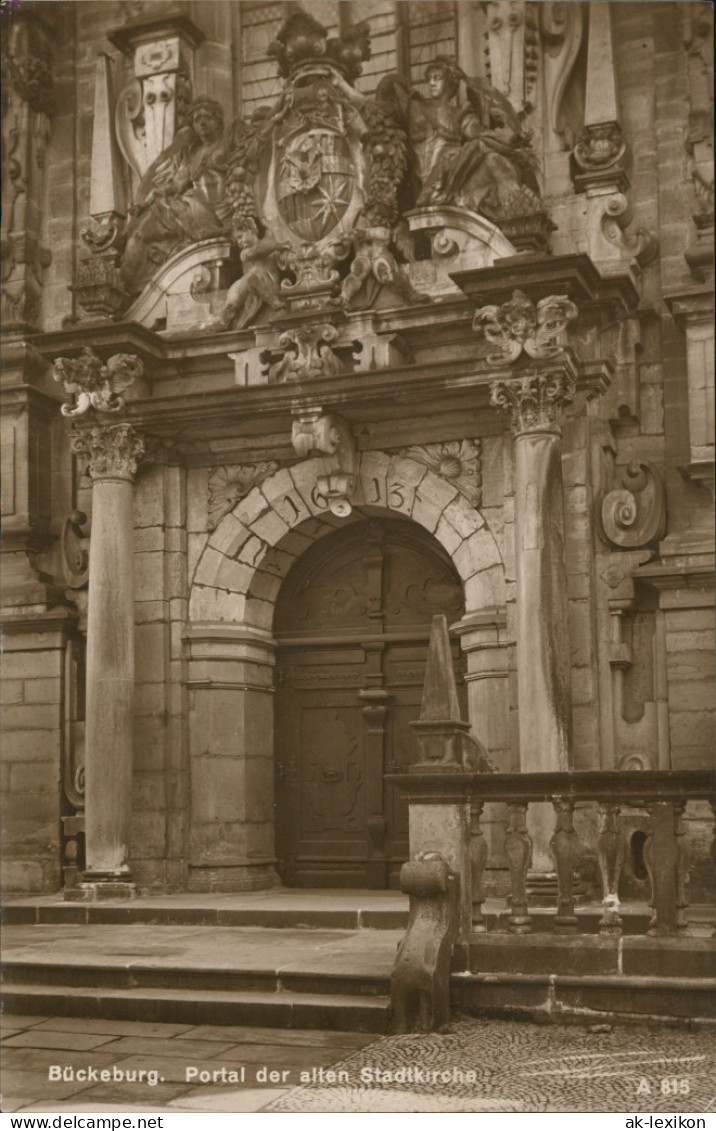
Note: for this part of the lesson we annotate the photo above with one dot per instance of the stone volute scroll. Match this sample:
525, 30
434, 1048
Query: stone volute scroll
111, 450
633, 516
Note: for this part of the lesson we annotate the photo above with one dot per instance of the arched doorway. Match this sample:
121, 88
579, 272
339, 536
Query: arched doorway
352, 625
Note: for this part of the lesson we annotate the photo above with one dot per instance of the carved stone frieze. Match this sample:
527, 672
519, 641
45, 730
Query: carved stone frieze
633, 516
519, 326
457, 461
94, 384
535, 401
307, 354
227, 485
111, 451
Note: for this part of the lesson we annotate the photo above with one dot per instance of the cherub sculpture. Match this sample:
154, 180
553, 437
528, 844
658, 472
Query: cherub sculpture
259, 284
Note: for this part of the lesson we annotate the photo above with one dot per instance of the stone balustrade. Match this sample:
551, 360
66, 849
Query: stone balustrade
663, 795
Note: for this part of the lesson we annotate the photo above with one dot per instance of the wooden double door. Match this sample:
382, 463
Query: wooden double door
353, 623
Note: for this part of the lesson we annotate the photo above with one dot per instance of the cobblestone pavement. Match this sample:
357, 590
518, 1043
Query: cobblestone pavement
477, 1066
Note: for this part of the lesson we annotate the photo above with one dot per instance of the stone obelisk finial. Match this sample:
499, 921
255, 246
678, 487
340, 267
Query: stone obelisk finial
440, 727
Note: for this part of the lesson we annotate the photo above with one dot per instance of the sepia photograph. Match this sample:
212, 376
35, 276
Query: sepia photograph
357, 561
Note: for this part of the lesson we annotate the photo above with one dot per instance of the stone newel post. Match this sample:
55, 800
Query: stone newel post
111, 452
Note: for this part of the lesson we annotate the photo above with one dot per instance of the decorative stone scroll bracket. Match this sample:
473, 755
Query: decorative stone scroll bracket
616, 219
633, 516
329, 435
420, 983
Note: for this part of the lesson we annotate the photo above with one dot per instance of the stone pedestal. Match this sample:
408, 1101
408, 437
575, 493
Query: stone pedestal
543, 676
112, 451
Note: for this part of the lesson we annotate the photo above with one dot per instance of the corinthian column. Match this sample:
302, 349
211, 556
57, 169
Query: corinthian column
543, 677
111, 452
533, 398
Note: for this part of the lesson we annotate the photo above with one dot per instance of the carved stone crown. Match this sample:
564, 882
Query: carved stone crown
302, 40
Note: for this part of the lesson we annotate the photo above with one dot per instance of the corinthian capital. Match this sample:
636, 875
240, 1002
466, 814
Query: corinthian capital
112, 451
534, 401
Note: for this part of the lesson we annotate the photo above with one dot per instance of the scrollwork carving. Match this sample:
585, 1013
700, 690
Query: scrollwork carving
633, 516
519, 326
93, 384
642, 245
307, 354
227, 485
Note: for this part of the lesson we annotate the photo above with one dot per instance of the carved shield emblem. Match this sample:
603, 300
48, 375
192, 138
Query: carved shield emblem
316, 182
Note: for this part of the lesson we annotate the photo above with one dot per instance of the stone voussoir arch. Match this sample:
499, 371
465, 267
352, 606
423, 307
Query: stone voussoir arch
242, 566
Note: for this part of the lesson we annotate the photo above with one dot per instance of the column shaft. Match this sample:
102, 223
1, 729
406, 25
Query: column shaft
542, 628
110, 679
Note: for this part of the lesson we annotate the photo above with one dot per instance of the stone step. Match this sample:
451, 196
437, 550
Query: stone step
585, 999
265, 981
290, 909
280, 1010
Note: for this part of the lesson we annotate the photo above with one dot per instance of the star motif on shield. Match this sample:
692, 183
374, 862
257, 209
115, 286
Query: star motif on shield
331, 199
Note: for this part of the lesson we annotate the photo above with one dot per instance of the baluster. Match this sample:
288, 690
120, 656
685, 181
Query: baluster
518, 847
663, 856
564, 849
610, 866
478, 860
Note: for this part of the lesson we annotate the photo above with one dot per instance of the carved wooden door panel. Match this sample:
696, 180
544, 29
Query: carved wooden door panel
320, 768
352, 622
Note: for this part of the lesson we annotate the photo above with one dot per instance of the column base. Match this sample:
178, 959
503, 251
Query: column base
94, 891
233, 877
96, 886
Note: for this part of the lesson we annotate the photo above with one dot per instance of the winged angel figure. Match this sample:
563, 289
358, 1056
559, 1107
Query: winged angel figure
519, 325
95, 384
